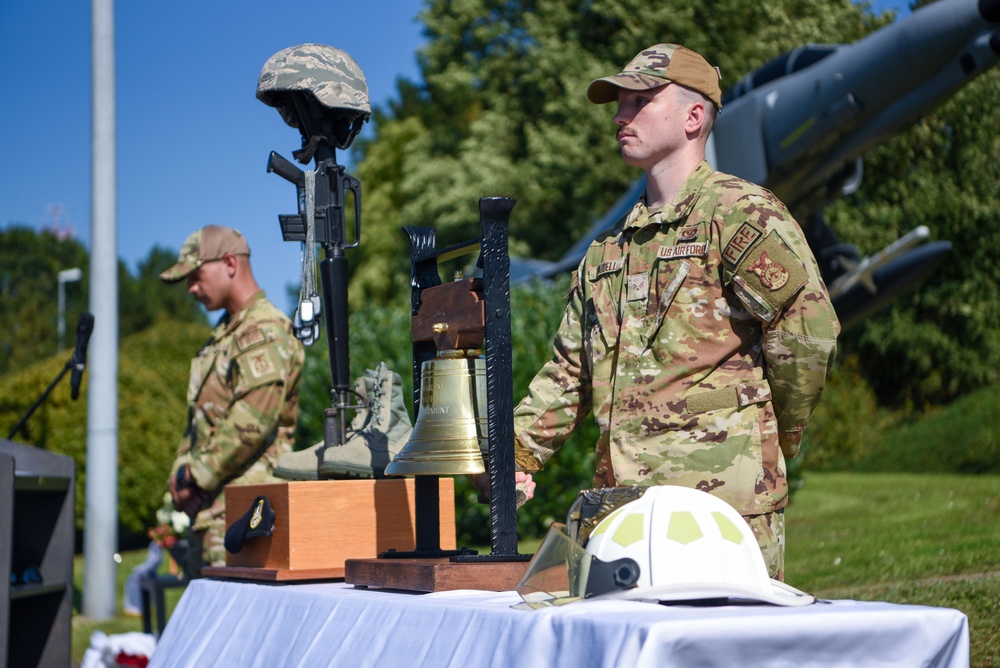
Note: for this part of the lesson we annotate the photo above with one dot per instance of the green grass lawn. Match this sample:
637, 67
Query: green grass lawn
924, 539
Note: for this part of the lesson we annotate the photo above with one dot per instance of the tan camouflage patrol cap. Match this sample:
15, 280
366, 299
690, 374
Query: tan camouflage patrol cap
211, 242
657, 66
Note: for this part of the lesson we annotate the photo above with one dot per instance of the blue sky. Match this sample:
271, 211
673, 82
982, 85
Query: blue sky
193, 140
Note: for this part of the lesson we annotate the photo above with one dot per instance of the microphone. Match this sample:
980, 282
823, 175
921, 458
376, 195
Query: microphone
83, 329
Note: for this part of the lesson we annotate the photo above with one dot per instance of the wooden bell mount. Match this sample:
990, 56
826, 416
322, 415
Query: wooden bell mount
452, 315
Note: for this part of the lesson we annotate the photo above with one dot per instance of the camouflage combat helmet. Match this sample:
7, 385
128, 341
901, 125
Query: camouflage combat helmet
329, 77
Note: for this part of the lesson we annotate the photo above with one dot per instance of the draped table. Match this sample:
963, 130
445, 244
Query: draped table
227, 623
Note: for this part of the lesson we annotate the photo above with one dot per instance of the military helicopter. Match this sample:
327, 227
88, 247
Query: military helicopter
800, 125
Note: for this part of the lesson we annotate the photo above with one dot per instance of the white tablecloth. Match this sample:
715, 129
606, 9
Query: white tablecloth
220, 623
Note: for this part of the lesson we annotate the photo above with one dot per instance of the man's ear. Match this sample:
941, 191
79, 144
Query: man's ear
696, 118
232, 263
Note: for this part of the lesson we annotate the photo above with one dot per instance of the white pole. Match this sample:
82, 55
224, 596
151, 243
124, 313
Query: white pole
65, 276
100, 535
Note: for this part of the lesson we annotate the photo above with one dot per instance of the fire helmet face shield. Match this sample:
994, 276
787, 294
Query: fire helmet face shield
564, 572
312, 80
689, 546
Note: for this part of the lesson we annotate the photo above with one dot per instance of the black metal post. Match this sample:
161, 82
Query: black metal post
423, 274
494, 216
494, 213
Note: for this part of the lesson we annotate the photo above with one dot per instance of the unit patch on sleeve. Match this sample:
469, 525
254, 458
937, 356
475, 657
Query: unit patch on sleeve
249, 339
773, 271
772, 274
742, 241
259, 366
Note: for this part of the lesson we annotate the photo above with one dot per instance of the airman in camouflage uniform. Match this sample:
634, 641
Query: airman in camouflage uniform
243, 389
697, 329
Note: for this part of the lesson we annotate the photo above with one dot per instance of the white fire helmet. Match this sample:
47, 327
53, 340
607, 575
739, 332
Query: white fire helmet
671, 545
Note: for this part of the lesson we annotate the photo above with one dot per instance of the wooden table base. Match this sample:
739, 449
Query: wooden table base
273, 574
434, 574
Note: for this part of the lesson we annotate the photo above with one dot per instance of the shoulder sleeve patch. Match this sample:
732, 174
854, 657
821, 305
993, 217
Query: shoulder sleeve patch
249, 339
740, 244
260, 366
773, 271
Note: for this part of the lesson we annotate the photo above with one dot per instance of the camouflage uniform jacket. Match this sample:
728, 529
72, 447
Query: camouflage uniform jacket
242, 401
700, 335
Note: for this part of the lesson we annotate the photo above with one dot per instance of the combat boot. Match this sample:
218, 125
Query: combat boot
369, 451
305, 464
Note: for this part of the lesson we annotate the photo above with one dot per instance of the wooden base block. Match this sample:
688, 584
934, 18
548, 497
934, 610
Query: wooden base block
434, 574
272, 574
321, 524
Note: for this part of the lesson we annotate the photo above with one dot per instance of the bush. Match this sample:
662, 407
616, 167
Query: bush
846, 425
153, 378
850, 431
960, 438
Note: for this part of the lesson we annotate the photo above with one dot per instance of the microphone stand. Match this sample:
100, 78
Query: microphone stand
69, 367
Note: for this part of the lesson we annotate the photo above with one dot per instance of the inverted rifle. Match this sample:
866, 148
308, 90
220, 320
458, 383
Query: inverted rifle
320, 219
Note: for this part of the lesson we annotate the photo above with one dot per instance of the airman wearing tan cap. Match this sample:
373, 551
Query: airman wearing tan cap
243, 388
210, 243
659, 65
697, 330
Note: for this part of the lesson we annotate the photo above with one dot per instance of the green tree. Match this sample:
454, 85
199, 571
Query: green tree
153, 362
153, 374
144, 298
501, 110
942, 340
30, 263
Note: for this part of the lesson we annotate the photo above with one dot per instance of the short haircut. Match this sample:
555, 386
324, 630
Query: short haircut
694, 97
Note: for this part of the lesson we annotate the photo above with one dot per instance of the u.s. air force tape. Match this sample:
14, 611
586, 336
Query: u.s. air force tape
257, 521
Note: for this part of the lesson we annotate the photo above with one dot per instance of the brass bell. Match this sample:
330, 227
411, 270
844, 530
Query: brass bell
450, 433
